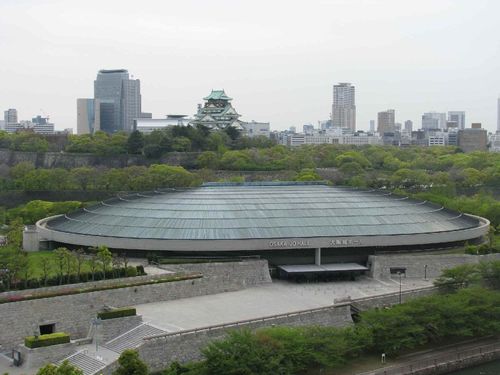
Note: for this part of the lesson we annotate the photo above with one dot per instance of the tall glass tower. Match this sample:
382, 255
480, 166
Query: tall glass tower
120, 100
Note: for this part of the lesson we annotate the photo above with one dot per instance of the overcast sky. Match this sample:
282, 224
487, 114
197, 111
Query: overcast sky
277, 59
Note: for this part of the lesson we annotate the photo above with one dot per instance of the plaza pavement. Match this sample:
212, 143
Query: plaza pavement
277, 298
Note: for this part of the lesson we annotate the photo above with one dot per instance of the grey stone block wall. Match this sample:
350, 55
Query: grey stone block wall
159, 353
111, 328
73, 313
38, 357
415, 264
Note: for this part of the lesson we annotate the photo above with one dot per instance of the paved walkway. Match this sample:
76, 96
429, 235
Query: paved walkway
270, 299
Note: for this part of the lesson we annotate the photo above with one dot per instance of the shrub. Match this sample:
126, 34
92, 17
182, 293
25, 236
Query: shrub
140, 270
46, 340
117, 313
130, 364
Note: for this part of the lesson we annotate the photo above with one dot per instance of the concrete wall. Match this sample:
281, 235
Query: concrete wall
416, 264
160, 352
73, 313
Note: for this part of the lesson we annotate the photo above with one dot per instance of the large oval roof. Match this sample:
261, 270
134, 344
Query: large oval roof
260, 211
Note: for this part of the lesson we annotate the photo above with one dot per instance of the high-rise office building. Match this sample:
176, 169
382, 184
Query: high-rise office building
386, 121
88, 119
372, 126
498, 116
458, 117
120, 100
344, 106
433, 121
10, 116
408, 126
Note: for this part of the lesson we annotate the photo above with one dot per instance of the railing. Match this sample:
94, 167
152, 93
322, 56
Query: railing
440, 361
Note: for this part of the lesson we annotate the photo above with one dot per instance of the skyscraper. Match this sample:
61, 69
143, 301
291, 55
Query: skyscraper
408, 126
386, 121
120, 100
372, 126
498, 116
10, 116
458, 117
344, 106
433, 121
88, 118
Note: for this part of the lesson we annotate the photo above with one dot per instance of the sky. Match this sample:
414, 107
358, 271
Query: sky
277, 59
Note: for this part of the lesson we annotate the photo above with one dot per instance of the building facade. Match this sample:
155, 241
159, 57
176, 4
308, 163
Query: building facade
473, 139
386, 121
10, 116
120, 100
256, 129
344, 106
458, 117
88, 116
433, 121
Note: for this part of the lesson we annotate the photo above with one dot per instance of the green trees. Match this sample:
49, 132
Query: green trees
104, 257
135, 142
130, 364
63, 369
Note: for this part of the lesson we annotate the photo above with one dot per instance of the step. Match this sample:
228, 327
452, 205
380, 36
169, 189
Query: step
84, 362
133, 338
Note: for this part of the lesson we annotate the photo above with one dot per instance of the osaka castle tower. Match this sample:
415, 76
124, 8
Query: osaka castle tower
217, 113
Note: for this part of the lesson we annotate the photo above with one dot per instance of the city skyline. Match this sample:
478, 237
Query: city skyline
281, 72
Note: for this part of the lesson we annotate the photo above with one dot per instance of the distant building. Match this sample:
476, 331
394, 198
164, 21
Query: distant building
372, 126
433, 121
292, 129
325, 124
409, 126
2, 124
386, 122
148, 125
494, 142
10, 116
217, 112
88, 118
120, 100
308, 129
498, 115
256, 129
438, 139
473, 139
458, 117
344, 106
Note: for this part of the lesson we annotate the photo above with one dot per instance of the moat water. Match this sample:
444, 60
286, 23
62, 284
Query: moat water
491, 368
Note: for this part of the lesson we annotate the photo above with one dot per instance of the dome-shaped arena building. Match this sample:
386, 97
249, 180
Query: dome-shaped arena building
286, 223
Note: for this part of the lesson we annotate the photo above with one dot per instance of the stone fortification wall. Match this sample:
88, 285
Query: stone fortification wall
38, 357
186, 346
111, 328
416, 264
75, 160
73, 313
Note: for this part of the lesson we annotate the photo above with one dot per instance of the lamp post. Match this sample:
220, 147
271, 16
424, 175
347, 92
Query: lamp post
425, 272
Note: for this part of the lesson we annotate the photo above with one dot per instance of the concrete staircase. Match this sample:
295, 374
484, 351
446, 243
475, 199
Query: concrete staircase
87, 364
133, 338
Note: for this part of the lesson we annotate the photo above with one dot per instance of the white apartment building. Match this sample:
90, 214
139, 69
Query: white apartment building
344, 106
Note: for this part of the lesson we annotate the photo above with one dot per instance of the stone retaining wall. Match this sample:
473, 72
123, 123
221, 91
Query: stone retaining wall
38, 357
111, 328
160, 352
73, 313
416, 264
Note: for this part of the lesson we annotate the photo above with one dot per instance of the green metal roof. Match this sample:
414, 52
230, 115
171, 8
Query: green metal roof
260, 212
217, 95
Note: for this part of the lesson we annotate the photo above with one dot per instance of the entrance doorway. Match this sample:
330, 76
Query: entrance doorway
46, 329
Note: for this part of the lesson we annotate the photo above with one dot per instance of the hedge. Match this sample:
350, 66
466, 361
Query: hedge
96, 288
117, 313
46, 340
